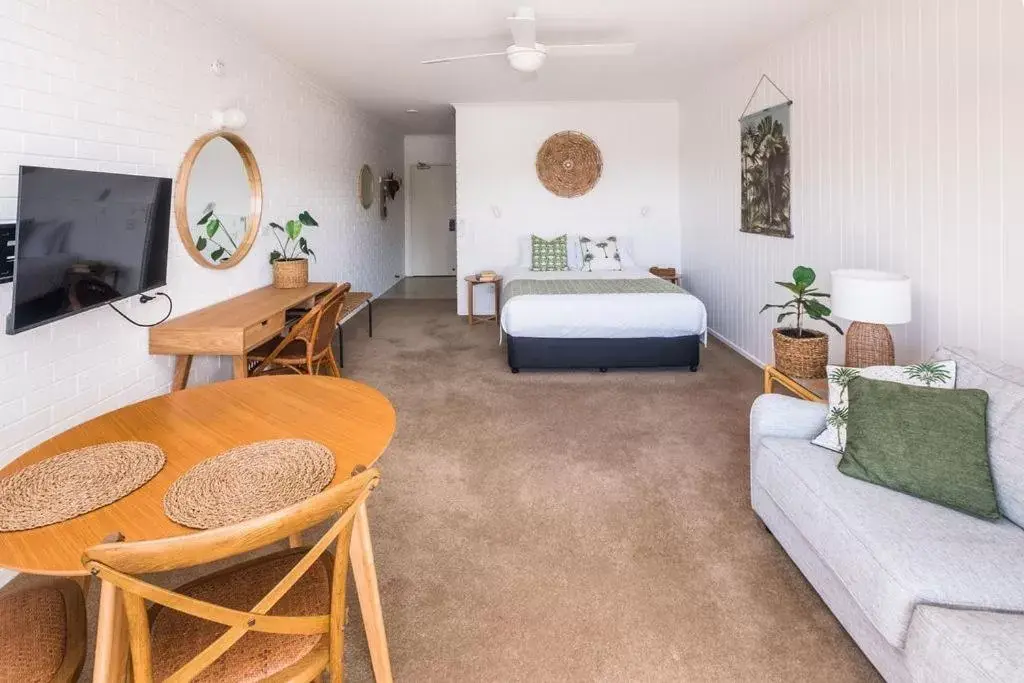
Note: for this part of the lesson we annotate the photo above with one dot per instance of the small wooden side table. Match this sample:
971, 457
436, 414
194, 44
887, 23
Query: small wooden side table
669, 274
471, 282
807, 389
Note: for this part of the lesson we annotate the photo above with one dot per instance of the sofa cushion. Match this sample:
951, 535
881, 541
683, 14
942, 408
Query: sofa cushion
929, 443
1005, 386
948, 645
890, 550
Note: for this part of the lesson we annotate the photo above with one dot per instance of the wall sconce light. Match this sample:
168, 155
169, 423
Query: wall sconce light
231, 119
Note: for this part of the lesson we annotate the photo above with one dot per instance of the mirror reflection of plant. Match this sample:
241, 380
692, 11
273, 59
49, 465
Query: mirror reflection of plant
295, 242
211, 225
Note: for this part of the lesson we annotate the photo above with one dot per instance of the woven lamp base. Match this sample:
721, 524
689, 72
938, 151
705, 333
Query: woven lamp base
869, 344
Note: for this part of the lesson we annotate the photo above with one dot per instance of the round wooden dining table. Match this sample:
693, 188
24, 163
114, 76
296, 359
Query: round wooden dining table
355, 421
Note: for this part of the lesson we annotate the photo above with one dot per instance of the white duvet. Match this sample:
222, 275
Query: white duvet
600, 316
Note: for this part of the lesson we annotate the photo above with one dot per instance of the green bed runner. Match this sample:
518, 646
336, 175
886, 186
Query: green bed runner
646, 285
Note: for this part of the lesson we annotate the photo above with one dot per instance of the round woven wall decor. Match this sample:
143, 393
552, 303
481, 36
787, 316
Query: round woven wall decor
569, 164
74, 483
249, 481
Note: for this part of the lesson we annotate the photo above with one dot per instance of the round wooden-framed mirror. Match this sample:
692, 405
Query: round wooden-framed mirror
218, 200
367, 188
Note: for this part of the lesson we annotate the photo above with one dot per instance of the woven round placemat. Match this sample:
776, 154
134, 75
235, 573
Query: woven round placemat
569, 164
249, 481
74, 483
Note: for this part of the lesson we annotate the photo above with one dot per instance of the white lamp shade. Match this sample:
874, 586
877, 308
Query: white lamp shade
871, 296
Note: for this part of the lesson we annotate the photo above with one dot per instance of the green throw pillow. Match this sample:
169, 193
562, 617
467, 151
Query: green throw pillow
930, 443
549, 255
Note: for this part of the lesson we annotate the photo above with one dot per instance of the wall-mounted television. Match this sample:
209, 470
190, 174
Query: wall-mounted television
84, 239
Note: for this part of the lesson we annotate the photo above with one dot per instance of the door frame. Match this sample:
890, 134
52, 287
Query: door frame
408, 216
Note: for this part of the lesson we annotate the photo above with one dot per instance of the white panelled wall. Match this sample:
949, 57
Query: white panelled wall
126, 86
907, 157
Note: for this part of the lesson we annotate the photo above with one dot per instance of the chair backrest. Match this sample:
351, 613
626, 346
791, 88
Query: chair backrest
327, 319
119, 562
315, 328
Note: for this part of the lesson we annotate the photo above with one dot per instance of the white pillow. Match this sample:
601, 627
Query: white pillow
600, 253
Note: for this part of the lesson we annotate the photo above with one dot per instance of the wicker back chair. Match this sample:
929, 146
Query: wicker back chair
42, 629
307, 344
279, 617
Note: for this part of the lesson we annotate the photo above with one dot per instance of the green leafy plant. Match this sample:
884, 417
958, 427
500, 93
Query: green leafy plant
212, 229
928, 373
295, 243
806, 303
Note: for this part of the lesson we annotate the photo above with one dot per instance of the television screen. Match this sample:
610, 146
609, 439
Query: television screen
84, 239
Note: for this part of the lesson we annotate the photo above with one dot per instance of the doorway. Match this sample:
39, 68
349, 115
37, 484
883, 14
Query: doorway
431, 240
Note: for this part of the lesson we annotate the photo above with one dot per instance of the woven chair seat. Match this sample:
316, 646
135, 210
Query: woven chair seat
42, 630
177, 637
294, 351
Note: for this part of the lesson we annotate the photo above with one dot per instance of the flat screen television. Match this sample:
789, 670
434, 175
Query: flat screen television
84, 239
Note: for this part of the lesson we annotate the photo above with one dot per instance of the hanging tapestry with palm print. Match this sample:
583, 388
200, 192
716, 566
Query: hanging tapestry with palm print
766, 172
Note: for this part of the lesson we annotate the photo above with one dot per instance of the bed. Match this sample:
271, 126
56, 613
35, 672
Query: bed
601, 320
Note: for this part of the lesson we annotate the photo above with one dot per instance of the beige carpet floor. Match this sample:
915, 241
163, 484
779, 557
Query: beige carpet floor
574, 526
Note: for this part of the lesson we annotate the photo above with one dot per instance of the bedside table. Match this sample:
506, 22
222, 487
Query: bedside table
471, 282
808, 389
668, 274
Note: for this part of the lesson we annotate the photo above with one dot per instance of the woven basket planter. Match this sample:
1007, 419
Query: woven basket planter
291, 273
804, 358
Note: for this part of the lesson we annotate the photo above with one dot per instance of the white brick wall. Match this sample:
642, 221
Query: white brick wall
125, 86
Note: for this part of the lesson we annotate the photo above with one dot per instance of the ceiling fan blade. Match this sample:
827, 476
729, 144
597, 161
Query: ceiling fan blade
524, 27
592, 50
443, 60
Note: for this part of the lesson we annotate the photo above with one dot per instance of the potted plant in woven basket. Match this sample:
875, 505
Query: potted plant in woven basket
290, 262
800, 352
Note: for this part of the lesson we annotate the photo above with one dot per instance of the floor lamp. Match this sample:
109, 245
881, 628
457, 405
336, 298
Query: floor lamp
872, 300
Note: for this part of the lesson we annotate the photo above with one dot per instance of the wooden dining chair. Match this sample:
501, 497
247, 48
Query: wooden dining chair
279, 617
42, 630
307, 344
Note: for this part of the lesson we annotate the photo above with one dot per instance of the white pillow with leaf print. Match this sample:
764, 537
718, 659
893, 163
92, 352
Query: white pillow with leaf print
600, 253
937, 374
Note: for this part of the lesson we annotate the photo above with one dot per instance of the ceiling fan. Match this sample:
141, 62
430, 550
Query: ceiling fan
527, 55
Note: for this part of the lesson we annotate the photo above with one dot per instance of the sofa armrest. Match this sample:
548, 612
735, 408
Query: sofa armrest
774, 415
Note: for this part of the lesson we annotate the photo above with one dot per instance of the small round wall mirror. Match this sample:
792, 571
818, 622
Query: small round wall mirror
367, 187
218, 200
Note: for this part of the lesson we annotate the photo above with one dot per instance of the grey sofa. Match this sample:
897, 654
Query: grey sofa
929, 594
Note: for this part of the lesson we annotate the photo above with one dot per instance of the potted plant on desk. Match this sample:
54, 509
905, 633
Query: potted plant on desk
800, 352
290, 262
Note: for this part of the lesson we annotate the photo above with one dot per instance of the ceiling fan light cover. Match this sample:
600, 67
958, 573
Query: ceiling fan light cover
526, 60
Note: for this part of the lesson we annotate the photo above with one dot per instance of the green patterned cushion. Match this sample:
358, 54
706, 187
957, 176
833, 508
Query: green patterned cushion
938, 374
930, 443
549, 254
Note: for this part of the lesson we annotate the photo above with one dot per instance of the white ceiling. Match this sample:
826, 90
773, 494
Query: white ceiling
370, 50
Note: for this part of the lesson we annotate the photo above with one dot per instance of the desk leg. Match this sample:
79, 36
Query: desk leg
365, 573
240, 366
369, 312
111, 660
497, 303
182, 365
469, 297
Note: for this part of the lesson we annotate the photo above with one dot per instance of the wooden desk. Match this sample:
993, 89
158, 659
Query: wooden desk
230, 328
355, 421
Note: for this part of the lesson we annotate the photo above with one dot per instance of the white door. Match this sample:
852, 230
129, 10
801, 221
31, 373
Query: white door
432, 220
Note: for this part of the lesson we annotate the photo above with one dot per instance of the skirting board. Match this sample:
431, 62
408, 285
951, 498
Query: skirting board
736, 348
